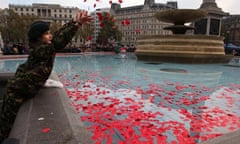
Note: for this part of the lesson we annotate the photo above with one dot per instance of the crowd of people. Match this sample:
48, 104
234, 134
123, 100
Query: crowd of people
116, 47
19, 48
16, 48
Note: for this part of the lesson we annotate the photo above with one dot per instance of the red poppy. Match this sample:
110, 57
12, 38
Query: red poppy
113, 20
45, 130
89, 37
125, 22
100, 17
99, 14
101, 24
137, 30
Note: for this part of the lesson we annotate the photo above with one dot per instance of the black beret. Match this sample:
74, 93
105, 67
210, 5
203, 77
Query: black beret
37, 29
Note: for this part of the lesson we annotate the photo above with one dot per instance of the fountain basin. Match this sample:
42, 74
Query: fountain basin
180, 16
182, 48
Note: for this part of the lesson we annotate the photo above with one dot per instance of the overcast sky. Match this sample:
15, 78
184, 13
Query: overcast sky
231, 6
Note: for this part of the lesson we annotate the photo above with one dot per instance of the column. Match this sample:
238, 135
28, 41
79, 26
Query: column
208, 25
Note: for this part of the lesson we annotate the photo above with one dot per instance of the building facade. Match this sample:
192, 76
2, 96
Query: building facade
47, 12
231, 29
141, 20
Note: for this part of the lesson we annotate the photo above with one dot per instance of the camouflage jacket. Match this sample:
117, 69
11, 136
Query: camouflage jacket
31, 75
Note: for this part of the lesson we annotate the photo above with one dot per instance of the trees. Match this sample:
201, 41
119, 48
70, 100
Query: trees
84, 32
108, 31
13, 27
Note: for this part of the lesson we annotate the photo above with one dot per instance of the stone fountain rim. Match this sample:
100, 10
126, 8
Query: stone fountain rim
180, 16
183, 36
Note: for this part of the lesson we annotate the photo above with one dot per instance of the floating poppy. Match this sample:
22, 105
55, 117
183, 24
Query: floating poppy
137, 30
89, 37
125, 22
101, 24
45, 130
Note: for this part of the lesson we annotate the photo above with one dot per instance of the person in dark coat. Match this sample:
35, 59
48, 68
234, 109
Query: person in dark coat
31, 76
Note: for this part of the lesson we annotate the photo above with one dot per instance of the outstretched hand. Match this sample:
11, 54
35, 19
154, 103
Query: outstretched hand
82, 17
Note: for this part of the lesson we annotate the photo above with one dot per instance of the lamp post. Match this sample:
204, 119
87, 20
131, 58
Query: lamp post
227, 37
7, 31
226, 42
1, 43
137, 31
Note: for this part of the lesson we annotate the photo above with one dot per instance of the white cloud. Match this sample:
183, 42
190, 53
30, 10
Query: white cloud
229, 6
4, 3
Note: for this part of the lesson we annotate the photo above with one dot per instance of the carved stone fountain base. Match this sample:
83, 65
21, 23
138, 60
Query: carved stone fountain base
182, 49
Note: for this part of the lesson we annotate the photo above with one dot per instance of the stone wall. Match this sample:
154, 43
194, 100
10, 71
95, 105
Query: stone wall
182, 48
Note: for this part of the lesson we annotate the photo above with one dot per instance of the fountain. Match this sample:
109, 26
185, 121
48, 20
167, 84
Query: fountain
180, 47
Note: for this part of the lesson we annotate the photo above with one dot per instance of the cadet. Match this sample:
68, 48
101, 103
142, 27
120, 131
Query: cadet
31, 76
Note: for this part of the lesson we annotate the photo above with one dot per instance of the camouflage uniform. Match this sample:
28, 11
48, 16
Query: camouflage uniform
31, 76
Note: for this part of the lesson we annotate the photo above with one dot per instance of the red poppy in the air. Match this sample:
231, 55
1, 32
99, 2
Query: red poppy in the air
45, 130
101, 24
113, 20
89, 37
125, 22
137, 30
100, 17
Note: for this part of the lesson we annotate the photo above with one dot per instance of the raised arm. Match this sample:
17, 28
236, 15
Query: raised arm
65, 34
81, 18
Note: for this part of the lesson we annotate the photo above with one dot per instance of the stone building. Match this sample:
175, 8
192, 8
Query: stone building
47, 12
140, 20
231, 29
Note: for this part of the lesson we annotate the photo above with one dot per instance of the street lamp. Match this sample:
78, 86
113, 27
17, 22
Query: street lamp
137, 31
5, 24
227, 37
1, 43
